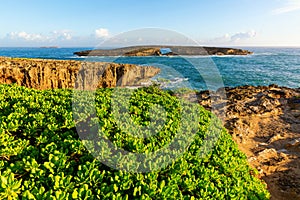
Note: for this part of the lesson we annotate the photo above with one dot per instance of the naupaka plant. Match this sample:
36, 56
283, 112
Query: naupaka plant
43, 157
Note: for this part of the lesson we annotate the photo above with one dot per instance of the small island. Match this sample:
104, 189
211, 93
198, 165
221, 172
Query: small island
164, 51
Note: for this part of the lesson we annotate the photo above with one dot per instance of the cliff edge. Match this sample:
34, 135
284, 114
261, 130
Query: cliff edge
51, 74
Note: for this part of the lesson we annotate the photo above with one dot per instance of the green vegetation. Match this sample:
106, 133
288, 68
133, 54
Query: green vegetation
42, 157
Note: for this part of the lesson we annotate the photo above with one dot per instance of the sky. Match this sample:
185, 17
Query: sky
66, 23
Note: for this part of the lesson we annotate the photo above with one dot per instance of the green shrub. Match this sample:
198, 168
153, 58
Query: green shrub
42, 156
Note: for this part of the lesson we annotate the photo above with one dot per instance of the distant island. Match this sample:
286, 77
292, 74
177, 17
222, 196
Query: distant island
49, 47
164, 51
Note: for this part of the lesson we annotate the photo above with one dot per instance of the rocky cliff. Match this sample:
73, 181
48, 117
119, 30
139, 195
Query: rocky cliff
155, 51
50, 74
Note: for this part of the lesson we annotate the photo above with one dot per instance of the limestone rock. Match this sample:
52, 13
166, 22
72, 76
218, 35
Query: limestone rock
265, 123
50, 74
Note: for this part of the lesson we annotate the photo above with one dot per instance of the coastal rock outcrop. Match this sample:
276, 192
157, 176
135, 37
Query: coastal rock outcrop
50, 74
156, 51
265, 123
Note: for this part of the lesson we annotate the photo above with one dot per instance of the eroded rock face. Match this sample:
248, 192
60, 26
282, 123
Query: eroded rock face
50, 74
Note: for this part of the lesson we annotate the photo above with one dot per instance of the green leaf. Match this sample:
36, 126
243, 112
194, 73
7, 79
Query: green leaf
3, 182
75, 194
16, 185
162, 184
28, 195
115, 188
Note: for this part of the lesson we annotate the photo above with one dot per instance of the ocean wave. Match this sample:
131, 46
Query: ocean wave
172, 83
277, 54
74, 57
265, 54
178, 80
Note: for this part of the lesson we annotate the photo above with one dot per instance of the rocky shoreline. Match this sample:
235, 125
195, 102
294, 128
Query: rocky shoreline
265, 123
52, 74
157, 51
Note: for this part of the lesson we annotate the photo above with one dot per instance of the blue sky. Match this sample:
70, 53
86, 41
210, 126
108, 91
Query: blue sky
86, 23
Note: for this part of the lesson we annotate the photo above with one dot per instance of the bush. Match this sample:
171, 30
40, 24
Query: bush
42, 156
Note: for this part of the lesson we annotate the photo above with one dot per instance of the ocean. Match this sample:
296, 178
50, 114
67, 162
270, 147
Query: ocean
266, 66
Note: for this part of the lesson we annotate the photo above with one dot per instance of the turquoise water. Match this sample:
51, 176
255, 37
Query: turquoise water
266, 66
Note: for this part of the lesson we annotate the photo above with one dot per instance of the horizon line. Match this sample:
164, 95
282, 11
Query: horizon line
93, 47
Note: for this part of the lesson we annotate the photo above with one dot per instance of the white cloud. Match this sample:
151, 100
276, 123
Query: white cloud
62, 35
290, 6
223, 39
233, 39
25, 36
101, 33
57, 37
53, 36
242, 36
